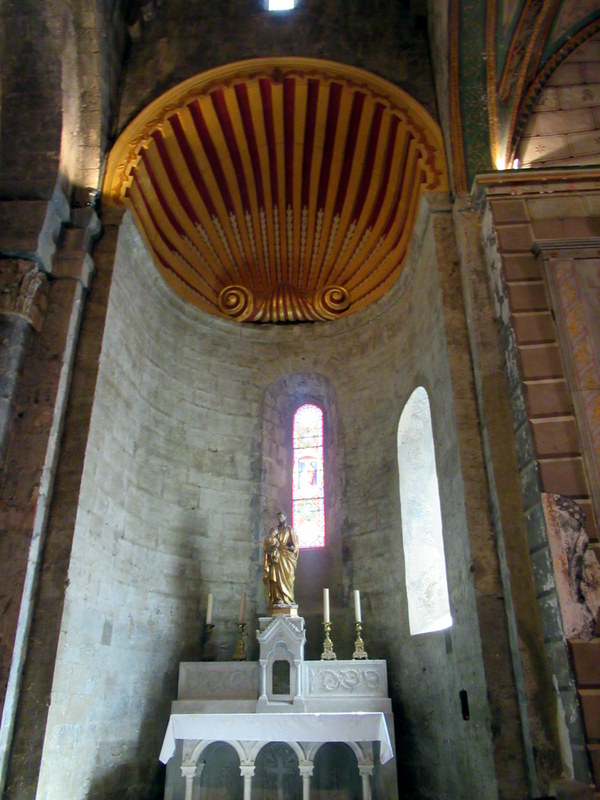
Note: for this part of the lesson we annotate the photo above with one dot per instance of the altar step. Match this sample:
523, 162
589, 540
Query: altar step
586, 663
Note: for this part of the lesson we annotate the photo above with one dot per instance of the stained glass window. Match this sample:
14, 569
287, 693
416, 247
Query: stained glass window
308, 490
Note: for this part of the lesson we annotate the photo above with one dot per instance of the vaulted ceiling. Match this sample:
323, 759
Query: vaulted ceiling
278, 190
502, 53
285, 189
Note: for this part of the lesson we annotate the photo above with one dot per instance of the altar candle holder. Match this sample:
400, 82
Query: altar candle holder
239, 654
359, 645
208, 650
327, 654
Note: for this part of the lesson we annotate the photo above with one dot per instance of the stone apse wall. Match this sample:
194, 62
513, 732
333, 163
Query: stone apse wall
173, 505
176, 489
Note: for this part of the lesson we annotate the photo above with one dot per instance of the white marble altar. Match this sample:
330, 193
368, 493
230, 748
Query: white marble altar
316, 702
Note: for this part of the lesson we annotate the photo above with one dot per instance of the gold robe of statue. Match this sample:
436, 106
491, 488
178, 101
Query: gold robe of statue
281, 557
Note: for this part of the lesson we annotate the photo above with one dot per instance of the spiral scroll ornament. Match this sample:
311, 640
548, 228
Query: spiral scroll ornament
278, 190
236, 302
283, 304
331, 301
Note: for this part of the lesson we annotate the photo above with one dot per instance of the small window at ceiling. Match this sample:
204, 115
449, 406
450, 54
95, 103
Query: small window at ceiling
279, 5
308, 488
422, 536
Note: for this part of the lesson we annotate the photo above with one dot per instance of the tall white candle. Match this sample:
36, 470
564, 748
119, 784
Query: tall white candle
242, 609
357, 614
326, 605
209, 606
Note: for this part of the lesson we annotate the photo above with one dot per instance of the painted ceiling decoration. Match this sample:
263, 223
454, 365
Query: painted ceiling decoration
524, 41
278, 190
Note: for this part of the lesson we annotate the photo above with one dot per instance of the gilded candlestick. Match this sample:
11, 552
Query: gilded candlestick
239, 654
327, 654
208, 650
359, 645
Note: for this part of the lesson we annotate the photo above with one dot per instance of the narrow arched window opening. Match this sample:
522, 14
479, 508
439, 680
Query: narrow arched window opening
422, 537
308, 486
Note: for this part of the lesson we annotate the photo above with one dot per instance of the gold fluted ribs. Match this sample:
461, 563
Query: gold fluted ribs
281, 190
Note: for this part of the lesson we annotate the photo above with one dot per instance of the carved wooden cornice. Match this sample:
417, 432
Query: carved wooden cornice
555, 181
567, 249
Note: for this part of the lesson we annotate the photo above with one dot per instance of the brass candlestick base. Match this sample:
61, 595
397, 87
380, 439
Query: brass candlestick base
239, 654
359, 645
327, 654
208, 650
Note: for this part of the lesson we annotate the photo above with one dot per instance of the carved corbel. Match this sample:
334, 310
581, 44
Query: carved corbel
23, 291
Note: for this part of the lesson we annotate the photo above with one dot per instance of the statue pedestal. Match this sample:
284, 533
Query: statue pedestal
285, 611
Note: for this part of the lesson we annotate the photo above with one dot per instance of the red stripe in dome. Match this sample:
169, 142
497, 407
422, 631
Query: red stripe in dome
402, 183
159, 194
211, 154
218, 100
267, 101
387, 167
173, 176
241, 93
289, 98
312, 101
333, 110
367, 173
190, 161
349, 150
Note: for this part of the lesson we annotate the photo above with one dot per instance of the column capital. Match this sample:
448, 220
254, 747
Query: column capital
247, 770
306, 768
23, 291
365, 769
189, 769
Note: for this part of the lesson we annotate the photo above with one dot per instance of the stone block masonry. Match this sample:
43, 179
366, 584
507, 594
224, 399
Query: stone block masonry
555, 437
26, 451
170, 509
564, 124
389, 43
547, 421
39, 667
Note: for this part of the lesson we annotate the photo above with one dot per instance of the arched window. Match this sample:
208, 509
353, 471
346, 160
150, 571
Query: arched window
308, 488
425, 563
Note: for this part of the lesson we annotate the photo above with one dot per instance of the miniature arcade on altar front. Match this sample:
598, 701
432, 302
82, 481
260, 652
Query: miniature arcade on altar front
282, 728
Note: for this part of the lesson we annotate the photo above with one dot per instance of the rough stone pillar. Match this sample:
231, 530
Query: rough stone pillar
247, 773
48, 428
365, 771
493, 509
514, 339
32, 458
29, 230
306, 769
23, 301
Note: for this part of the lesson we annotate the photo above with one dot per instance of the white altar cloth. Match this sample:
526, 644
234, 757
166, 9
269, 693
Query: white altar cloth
357, 726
